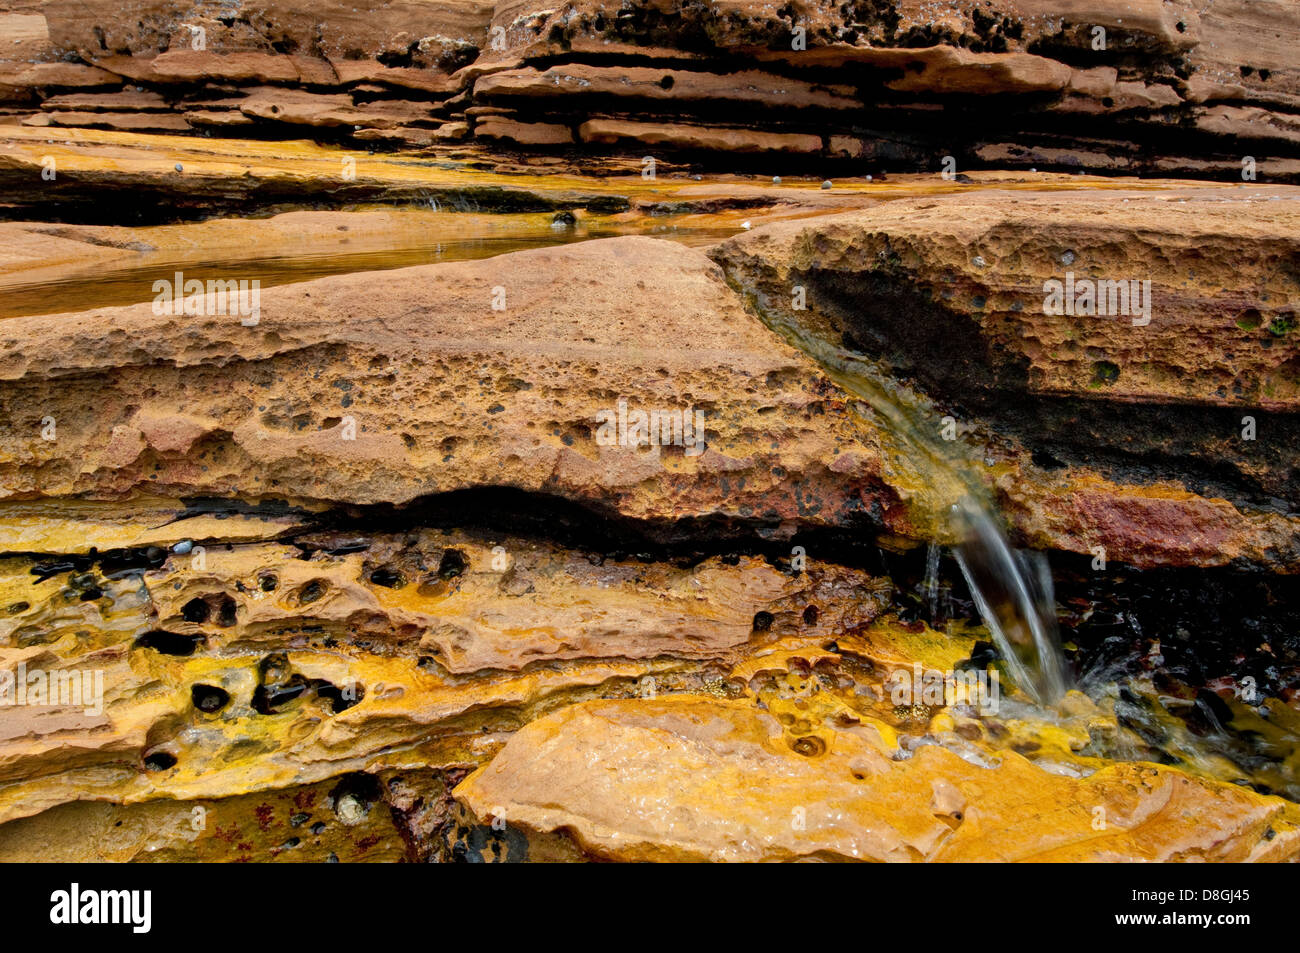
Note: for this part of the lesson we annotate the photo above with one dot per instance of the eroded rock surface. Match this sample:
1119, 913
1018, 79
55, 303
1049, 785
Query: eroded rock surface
688, 779
389, 387
1166, 429
1163, 87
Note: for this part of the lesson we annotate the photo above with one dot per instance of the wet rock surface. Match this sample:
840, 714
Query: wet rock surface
579, 482
1160, 402
1150, 87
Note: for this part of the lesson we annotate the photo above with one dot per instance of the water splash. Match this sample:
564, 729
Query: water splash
1012, 589
1013, 592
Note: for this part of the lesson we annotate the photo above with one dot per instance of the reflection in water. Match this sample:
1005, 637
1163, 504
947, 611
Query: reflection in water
442, 237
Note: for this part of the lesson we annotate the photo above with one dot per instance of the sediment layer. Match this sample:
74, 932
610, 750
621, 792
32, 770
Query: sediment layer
1135, 87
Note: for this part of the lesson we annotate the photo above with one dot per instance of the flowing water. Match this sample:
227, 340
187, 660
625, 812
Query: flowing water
1011, 588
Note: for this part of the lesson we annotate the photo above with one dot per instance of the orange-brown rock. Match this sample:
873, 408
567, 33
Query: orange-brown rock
241, 667
523, 133
1016, 70
707, 138
747, 86
344, 393
689, 779
1163, 429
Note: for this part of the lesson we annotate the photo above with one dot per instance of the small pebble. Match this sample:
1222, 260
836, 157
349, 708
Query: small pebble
183, 547
179, 167
776, 180
826, 184
979, 261
1067, 258
868, 178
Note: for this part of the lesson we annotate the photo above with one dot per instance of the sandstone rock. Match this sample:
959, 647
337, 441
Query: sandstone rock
124, 121
420, 645
524, 133
368, 71
681, 136
782, 447
688, 779
368, 29
190, 66
1147, 415
319, 109
1032, 64
452, 130
217, 117
71, 75
124, 101
957, 71
670, 85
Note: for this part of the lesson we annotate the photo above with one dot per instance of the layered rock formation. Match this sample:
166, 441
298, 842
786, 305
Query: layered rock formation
1176, 368
226, 527
1107, 85
583, 506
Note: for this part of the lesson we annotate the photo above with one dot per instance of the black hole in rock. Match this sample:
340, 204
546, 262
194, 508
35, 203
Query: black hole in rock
388, 578
1045, 459
311, 592
226, 612
666, 83
18, 607
267, 698
810, 615
1105, 372
160, 761
340, 699
169, 643
196, 610
209, 698
268, 582
763, 621
452, 564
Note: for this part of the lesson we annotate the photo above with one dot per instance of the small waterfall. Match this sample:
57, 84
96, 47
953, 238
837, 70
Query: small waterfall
931, 584
1012, 589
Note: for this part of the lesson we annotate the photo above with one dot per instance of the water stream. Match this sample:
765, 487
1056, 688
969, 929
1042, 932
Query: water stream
1011, 588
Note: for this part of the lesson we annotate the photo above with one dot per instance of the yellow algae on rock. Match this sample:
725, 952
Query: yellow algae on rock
688, 778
